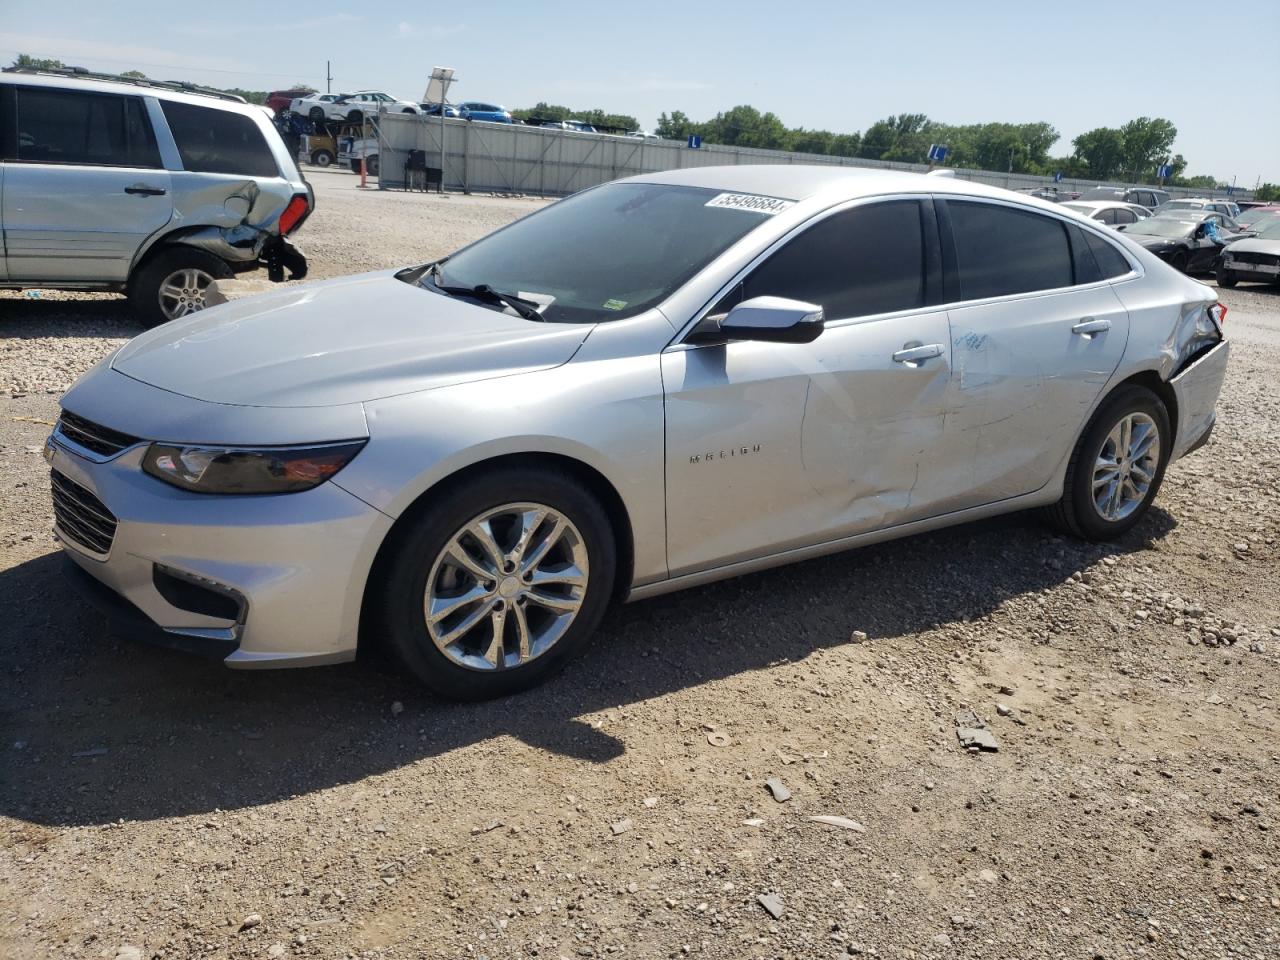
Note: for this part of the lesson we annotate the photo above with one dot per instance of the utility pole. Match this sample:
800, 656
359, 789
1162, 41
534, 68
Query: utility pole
328, 76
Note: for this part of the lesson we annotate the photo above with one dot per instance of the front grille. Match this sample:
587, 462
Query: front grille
93, 436
1261, 258
81, 516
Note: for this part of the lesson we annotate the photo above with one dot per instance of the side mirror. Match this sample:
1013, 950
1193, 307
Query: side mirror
773, 319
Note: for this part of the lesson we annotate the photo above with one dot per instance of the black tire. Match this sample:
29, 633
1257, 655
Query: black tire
1226, 278
144, 285
372, 164
1179, 261
355, 116
317, 115
398, 617
1076, 512
322, 158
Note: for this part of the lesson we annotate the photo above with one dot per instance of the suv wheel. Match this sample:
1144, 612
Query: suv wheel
173, 284
497, 583
1116, 469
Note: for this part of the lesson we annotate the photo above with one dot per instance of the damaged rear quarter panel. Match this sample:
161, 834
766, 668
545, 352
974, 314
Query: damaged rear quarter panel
229, 216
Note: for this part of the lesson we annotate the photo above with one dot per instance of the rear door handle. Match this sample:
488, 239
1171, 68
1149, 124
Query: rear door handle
142, 190
918, 354
1088, 327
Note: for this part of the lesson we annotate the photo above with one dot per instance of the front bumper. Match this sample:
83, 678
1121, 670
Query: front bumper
296, 563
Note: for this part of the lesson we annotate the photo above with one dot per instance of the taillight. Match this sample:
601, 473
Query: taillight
1219, 313
293, 214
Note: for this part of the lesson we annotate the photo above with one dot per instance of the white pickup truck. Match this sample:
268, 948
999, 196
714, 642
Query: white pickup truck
350, 107
351, 149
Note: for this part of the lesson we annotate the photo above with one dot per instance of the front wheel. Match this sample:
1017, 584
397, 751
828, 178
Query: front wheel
496, 584
322, 158
173, 284
1226, 278
1179, 261
355, 116
316, 115
1116, 469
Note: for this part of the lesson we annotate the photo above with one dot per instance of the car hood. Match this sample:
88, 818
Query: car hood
1255, 245
1150, 242
341, 341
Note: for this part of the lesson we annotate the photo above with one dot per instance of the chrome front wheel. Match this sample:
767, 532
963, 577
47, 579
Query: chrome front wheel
183, 292
506, 587
1126, 466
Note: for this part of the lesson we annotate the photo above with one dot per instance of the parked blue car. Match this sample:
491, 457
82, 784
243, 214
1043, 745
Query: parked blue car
433, 110
489, 112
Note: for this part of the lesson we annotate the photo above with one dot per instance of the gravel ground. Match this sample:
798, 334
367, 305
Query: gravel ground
154, 805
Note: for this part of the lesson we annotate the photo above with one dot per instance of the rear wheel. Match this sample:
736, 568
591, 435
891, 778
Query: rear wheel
497, 583
316, 115
174, 284
1226, 278
372, 164
1116, 469
355, 116
1179, 261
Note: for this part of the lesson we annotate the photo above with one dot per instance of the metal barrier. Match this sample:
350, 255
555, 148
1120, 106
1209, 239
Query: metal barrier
515, 159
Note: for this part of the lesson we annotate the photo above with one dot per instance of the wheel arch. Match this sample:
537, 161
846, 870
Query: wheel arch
1152, 381
595, 482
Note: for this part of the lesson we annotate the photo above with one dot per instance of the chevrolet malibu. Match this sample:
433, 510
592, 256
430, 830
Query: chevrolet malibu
652, 384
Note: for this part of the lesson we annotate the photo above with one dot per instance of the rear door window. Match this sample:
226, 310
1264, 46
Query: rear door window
94, 129
219, 141
1002, 251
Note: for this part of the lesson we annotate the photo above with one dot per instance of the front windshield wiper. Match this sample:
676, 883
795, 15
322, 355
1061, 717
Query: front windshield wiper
482, 291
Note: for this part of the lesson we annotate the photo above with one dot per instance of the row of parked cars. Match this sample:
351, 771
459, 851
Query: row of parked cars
1192, 234
353, 107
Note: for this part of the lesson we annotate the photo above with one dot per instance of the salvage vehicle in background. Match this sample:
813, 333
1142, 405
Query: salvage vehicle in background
351, 107
1256, 215
354, 149
1224, 207
316, 106
1149, 197
487, 112
1255, 259
649, 385
1181, 238
1110, 212
278, 101
141, 187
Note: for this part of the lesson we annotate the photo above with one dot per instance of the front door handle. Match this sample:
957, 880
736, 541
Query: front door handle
142, 190
1088, 327
915, 354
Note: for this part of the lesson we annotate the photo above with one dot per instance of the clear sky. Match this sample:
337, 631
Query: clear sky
1213, 71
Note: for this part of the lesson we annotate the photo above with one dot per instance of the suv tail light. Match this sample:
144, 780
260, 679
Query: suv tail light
293, 214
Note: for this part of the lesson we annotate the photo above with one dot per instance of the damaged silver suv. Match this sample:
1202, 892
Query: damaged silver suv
141, 187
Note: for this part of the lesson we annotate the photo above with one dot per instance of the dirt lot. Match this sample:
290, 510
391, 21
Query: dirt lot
157, 805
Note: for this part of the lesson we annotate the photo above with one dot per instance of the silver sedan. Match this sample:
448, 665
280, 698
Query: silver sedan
653, 384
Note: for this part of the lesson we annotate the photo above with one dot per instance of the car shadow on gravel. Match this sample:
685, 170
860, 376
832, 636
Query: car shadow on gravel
102, 316
96, 729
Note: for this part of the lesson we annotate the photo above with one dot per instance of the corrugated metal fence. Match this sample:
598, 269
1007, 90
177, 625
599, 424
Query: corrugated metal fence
515, 159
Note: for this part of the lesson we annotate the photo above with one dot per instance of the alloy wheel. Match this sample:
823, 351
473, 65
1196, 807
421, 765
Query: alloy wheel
506, 587
183, 292
1126, 466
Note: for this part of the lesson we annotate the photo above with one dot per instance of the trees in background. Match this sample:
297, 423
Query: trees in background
596, 117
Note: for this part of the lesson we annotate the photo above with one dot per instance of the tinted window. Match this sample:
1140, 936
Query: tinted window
1106, 216
64, 126
1126, 216
1110, 261
217, 141
863, 261
1002, 251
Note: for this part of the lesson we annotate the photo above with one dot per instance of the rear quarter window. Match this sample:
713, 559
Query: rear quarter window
219, 141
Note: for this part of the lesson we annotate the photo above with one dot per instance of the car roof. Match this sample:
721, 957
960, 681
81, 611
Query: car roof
804, 181
93, 85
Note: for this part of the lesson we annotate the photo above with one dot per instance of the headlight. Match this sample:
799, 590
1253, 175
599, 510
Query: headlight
215, 469
1226, 255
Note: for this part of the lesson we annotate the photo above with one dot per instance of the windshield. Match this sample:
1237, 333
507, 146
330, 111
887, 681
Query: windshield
1270, 230
1161, 227
1256, 214
606, 253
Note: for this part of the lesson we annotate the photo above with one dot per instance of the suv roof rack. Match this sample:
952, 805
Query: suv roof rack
177, 86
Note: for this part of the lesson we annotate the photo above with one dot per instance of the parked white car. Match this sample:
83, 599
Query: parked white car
351, 107
1113, 213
